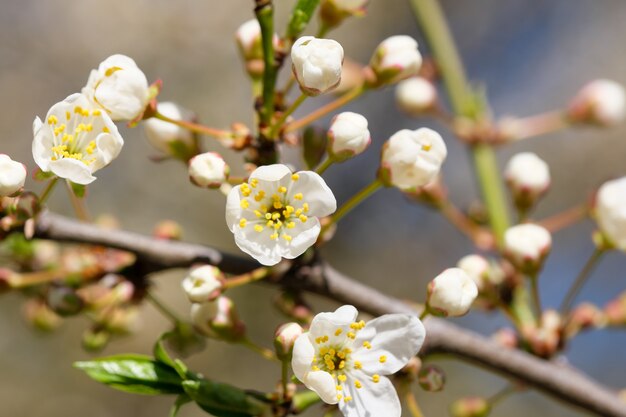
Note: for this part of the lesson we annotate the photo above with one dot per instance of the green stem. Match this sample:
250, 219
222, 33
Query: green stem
78, 204
255, 275
266, 353
412, 404
284, 377
425, 313
279, 123
303, 400
46, 192
163, 309
534, 284
196, 127
324, 166
581, 279
355, 200
265, 15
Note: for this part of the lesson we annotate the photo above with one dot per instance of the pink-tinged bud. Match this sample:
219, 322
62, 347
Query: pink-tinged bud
226, 323
526, 246
451, 293
208, 170
545, 340
333, 12
284, 338
317, 64
600, 102
250, 43
204, 283
528, 178
431, 378
39, 315
476, 267
416, 96
12, 176
610, 212
395, 59
506, 338
412, 158
348, 136
168, 230
470, 407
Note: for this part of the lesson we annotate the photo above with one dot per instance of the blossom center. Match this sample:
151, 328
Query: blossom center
72, 138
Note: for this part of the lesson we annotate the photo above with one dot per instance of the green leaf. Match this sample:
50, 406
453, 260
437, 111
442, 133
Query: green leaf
160, 354
79, 190
136, 374
300, 17
39, 175
180, 401
222, 400
314, 146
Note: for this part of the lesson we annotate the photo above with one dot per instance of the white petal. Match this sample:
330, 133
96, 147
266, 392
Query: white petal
323, 384
303, 354
304, 236
325, 324
270, 172
42, 144
72, 170
316, 193
396, 336
108, 147
372, 399
258, 245
233, 208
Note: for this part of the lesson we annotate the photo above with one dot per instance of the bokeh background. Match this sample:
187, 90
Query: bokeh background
531, 56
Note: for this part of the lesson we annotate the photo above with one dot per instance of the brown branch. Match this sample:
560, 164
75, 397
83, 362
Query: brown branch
554, 379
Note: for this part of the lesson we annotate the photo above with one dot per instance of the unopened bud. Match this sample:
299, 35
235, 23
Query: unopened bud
546, 339
249, 40
470, 407
168, 230
476, 267
610, 212
526, 246
203, 284
431, 378
284, 338
39, 315
226, 323
600, 102
528, 178
64, 301
506, 338
395, 59
451, 293
348, 136
122, 320
416, 96
208, 170
170, 138
333, 12
12, 176
317, 64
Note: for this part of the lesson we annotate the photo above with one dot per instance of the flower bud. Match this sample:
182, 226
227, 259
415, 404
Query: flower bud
431, 378
12, 176
250, 42
119, 87
333, 12
39, 315
226, 323
416, 96
451, 293
476, 267
412, 158
284, 338
203, 284
167, 137
64, 301
527, 245
546, 339
610, 212
122, 320
168, 230
600, 102
528, 177
506, 338
395, 59
348, 136
201, 316
317, 64
470, 407
208, 170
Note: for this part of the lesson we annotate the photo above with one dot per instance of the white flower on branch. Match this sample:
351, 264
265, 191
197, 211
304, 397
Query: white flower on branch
348, 136
526, 245
119, 87
610, 211
75, 140
165, 136
395, 59
317, 64
345, 361
416, 95
204, 283
451, 293
412, 158
12, 176
275, 214
208, 170
528, 177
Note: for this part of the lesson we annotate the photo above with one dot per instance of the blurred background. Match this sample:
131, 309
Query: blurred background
531, 55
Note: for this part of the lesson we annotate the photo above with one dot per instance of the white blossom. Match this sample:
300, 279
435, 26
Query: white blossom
476, 267
348, 135
600, 101
75, 140
317, 64
164, 135
527, 244
396, 58
119, 87
208, 170
346, 361
248, 37
526, 173
412, 158
204, 283
275, 214
12, 176
416, 95
611, 211
452, 293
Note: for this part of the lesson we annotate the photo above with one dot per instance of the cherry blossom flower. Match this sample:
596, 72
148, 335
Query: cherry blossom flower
203, 284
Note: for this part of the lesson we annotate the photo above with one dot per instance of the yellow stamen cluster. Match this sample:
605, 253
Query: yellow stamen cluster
274, 213
70, 143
